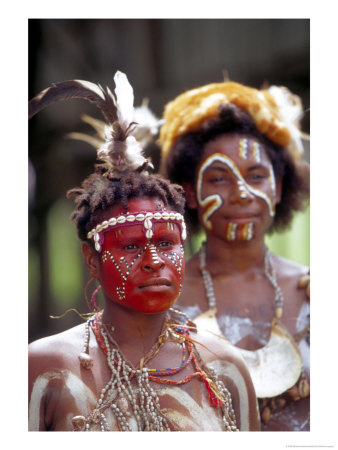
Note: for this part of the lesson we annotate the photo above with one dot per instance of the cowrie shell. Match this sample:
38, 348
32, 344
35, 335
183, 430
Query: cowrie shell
121, 219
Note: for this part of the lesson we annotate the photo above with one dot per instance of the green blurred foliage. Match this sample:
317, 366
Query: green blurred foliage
293, 243
33, 273
65, 257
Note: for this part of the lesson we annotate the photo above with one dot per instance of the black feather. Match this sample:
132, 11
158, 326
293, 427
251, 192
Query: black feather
74, 89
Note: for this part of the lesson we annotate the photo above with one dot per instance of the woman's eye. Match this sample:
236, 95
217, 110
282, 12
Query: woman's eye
130, 247
164, 244
256, 177
216, 179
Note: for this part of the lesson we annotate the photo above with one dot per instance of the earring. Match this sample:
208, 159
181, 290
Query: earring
92, 300
92, 304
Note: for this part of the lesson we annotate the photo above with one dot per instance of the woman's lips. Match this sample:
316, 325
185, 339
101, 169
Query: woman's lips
156, 283
240, 219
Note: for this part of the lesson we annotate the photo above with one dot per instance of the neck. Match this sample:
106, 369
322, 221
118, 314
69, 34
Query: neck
230, 257
134, 332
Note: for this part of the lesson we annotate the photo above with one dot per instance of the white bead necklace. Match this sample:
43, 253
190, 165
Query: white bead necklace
140, 403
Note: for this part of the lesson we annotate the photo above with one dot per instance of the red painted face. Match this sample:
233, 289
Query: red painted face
140, 273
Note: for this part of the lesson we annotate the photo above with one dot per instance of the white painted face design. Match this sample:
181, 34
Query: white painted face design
213, 202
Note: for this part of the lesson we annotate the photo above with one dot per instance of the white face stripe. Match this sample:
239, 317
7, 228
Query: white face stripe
256, 151
154, 254
272, 181
243, 148
216, 199
243, 232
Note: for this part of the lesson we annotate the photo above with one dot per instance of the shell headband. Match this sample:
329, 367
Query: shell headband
275, 111
147, 219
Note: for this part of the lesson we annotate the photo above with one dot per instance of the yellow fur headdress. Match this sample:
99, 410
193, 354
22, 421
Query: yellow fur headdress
275, 111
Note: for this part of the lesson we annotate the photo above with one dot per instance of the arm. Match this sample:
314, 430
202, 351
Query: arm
228, 364
46, 383
37, 390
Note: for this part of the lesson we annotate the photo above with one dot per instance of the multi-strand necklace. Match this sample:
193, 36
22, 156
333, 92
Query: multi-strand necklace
129, 394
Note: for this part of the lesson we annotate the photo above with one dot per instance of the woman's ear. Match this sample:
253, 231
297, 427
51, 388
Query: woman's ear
91, 259
190, 195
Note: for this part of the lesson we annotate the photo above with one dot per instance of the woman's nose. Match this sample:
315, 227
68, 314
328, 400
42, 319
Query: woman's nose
241, 194
152, 261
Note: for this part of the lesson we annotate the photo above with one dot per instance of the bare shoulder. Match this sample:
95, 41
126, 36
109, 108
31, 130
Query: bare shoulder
294, 280
287, 269
227, 363
217, 348
55, 352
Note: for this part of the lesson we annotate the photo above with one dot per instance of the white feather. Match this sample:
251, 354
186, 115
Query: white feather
92, 87
291, 111
124, 99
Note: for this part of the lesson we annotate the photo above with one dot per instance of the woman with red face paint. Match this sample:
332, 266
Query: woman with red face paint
137, 364
237, 153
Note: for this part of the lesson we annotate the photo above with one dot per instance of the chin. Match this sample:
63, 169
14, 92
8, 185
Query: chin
155, 306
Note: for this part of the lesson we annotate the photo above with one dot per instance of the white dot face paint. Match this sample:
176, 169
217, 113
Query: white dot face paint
234, 163
140, 272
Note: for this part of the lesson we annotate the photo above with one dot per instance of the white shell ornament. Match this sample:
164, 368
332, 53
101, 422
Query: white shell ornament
79, 423
86, 360
274, 368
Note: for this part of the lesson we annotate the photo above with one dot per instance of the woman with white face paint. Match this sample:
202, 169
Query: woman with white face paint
237, 153
137, 364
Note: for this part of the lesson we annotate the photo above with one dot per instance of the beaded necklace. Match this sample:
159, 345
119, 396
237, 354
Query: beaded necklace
142, 403
254, 359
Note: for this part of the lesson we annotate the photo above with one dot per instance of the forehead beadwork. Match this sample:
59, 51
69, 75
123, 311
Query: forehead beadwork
147, 219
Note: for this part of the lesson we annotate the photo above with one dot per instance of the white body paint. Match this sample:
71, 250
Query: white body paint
82, 396
188, 415
229, 370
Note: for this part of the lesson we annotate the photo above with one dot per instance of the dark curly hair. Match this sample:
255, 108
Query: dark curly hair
102, 190
184, 157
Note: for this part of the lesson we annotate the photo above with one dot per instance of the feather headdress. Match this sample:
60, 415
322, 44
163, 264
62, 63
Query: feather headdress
120, 150
147, 128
